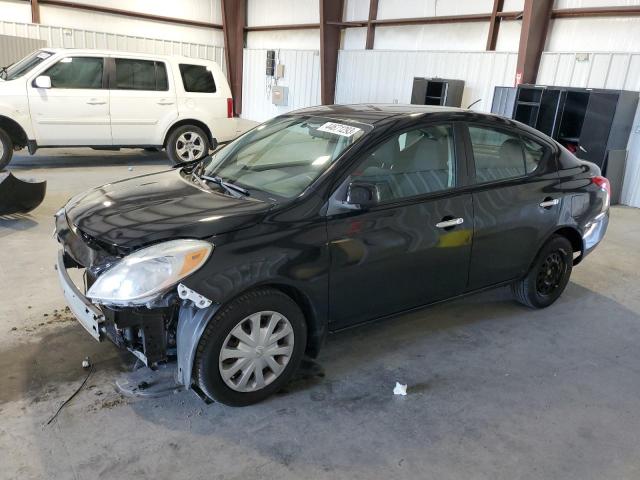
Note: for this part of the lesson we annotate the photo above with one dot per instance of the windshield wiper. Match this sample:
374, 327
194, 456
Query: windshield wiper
229, 187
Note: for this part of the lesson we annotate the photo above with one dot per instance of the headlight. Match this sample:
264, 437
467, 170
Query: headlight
141, 276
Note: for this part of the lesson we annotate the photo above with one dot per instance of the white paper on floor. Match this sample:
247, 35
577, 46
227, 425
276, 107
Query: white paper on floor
400, 389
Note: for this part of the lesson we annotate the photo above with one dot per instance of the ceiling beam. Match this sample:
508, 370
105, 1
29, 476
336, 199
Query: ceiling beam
330, 11
234, 18
35, 11
291, 26
371, 28
128, 13
533, 35
494, 24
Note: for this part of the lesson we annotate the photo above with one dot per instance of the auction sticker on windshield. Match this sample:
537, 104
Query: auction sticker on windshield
339, 129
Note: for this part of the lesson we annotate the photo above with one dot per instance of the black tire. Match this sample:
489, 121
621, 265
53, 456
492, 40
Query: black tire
187, 130
206, 365
6, 149
548, 276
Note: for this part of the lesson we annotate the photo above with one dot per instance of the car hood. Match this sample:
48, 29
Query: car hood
156, 207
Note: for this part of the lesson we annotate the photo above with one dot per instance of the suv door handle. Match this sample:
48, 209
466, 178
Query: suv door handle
96, 102
549, 202
165, 102
450, 223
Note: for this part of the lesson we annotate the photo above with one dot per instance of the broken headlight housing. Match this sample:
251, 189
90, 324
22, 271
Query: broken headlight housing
145, 274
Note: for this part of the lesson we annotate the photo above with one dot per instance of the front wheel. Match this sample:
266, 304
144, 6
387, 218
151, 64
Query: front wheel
548, 276
251, 348
6, 149
187, 143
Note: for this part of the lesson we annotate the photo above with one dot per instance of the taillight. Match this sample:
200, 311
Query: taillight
603, 183
229, 107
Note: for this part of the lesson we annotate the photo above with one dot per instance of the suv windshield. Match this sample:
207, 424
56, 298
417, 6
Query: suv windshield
18, 69
284, 156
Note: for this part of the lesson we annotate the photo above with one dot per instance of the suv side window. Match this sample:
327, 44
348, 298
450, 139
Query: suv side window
412, 163
197, 78
77, 72
500, 155
133, 74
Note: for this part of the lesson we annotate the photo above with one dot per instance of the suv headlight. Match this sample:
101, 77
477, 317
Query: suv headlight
148, 272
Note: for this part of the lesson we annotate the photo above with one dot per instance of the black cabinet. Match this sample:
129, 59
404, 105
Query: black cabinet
437, 91
595, 124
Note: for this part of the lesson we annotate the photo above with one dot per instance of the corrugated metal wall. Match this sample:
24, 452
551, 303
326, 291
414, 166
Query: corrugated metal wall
601, 70
386, 76
76, 38
301, 75
13, 48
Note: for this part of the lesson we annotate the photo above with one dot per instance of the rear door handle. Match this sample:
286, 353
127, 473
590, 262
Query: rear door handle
550, 202
165, 102
450, 223
96, 102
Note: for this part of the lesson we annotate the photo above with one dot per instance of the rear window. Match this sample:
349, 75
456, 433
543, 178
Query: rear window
134, 74
197, 78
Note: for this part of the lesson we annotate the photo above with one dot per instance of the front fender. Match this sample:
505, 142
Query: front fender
192, 322
18, 113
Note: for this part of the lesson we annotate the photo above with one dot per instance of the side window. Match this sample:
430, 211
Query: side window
498, 155
132, 74
197, 78
413, 163
533, 154
77, 72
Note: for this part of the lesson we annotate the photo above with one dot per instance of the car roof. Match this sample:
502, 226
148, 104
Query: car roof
372, 113
95, 51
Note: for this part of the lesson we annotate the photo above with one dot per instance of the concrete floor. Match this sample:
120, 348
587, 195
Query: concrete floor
496, 391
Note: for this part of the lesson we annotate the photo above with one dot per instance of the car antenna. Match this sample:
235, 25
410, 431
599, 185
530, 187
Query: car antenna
479, 100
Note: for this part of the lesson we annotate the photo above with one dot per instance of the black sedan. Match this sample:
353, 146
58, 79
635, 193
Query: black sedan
237, 265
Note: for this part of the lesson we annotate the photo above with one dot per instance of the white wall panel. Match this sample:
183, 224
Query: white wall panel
356, 10
301, 75
453, 36
594, 34
282, 12
387, 76
513, 6
509, 36
354, 38
593, 3
631, 186
76, 38
285, 39
15, 11
428, 8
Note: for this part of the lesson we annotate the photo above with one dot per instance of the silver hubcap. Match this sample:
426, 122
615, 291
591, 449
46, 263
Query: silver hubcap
190, 146
256, 351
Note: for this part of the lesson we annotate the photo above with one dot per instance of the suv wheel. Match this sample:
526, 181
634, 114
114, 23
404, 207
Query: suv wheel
6, 149
548, 275
187, 143
251, 348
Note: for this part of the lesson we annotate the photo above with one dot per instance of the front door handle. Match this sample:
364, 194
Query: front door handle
165, 102
549, 202
450, 223
96, 102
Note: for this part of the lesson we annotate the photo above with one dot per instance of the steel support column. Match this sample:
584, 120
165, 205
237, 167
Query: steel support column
535, 23
330, 11
234, 19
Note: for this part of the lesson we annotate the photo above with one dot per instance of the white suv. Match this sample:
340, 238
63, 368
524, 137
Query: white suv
108, 100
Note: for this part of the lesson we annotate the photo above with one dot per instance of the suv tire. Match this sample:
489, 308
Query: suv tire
548, 276
257, 318
187, 143
6, 149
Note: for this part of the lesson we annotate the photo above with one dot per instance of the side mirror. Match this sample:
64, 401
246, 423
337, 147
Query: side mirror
42, 82
362, 194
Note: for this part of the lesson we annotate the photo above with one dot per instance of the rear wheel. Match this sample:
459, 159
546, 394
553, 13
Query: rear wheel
187, 143
251, 348
548, 275
6, 149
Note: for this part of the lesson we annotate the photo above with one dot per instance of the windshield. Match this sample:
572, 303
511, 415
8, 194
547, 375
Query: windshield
18, 69
284, 156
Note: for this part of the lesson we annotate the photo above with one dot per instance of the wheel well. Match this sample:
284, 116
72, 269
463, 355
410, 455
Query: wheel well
15, 131
315, 331
575, 238
197, 123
